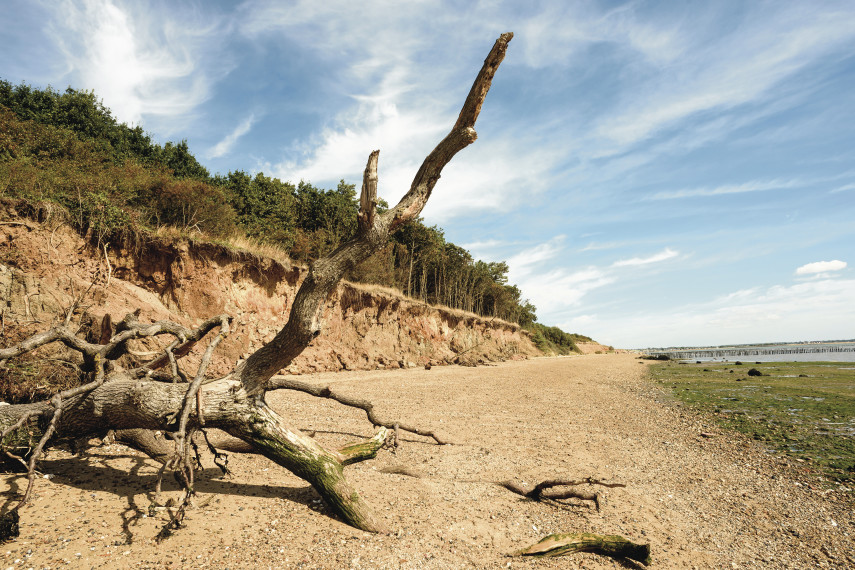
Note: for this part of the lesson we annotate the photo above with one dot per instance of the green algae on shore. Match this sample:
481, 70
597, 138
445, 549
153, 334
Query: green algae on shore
804, 410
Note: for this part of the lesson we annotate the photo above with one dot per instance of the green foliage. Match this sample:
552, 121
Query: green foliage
177, 157
187, 204
325, 219
555, 340
103, 198
83, 114
420, 262
265, 207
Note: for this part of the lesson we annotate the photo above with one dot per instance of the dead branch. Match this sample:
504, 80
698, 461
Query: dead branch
545, 490
287, 383
304, 321
613, 546
98, 354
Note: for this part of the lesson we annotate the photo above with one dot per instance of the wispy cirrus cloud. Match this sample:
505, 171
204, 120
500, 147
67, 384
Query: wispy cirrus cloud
141, 63
525, 261
395, 104
540, 272
663, 255
228, 142
752, 186
812, 310
726, 70
844, 188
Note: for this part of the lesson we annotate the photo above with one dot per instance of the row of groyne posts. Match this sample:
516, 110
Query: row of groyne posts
688, 354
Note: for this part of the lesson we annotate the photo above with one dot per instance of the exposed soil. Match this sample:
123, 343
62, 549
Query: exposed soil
701, 502
45, 267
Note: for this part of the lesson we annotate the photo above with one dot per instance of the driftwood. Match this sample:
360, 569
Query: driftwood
166, 413
608, 545
137, 399
546, 490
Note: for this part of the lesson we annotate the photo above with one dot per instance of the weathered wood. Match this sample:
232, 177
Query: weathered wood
551, 490
287, 383
606, 544
131, 404
304, 321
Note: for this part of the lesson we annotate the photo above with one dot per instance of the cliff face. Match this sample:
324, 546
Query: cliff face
45, 268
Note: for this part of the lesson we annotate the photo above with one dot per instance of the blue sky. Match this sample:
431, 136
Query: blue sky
655, 173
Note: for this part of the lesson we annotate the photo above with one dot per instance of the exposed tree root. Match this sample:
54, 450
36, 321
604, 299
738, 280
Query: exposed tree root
608, 545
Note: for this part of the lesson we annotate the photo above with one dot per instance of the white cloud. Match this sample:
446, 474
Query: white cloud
814, 310
752, 186
523, 263
663, 255
843, 188
141, 63
559, 289
597, 246
225, 146
727, 70
402, 107
821, 267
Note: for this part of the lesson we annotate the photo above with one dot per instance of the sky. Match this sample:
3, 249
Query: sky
654, 173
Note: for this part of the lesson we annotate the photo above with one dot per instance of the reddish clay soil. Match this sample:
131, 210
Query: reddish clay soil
719, 502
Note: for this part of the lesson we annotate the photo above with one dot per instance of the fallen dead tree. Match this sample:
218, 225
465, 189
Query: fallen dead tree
158, 408
136, 399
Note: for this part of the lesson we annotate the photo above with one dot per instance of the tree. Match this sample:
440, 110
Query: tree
137, 400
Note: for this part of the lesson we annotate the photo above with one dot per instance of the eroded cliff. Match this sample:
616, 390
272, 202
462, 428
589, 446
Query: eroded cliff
46, 270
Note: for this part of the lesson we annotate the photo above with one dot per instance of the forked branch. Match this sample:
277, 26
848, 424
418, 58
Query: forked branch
304, 321
557, 489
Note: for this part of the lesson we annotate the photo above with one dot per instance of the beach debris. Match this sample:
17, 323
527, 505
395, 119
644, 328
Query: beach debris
611, 545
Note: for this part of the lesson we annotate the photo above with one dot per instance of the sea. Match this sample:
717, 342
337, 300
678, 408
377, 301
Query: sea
791, 352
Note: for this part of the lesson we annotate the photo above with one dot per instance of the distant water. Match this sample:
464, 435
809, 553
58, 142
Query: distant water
825, 352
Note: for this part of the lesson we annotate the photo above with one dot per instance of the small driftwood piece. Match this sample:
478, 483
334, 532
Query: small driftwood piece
286, 383
611, 545
546, 490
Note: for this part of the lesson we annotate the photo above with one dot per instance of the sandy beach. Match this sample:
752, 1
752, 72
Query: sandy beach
702, 501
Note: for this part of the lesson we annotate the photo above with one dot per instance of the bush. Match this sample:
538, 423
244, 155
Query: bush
188, 204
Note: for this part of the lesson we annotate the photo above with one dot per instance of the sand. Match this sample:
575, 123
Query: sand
701, 502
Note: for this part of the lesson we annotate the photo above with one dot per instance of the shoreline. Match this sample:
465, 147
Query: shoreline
701, 502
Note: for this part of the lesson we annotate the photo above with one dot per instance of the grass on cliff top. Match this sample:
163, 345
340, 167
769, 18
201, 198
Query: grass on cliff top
804, 410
